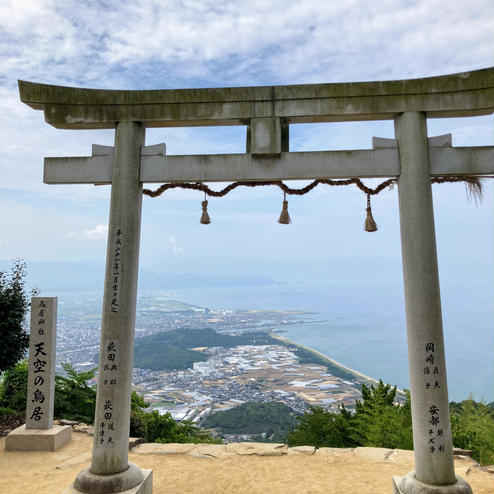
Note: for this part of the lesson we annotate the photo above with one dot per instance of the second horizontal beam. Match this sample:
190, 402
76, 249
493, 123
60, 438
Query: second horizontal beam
371, 163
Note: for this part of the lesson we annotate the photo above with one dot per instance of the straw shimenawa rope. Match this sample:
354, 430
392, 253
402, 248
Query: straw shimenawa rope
284, 216
472, 184
474, 187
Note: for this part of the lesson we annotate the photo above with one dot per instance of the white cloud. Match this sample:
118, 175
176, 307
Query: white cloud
191, 43
117, 43
176, 249
99, 232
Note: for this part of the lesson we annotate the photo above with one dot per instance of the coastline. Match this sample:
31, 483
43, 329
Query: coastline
357, 374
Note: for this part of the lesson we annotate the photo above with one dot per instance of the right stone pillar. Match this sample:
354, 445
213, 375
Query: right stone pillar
434, 467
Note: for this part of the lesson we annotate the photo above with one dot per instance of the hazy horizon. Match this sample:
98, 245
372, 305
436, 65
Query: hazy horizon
357, 320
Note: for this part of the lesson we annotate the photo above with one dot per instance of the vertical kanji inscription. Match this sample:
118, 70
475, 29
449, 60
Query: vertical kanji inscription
41, 373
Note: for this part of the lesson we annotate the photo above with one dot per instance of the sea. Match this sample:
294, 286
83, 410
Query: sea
364, 329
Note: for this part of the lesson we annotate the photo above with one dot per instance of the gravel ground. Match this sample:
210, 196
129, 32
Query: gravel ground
336, 472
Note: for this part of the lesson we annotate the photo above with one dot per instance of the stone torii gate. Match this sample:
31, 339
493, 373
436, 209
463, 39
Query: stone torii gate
267, 112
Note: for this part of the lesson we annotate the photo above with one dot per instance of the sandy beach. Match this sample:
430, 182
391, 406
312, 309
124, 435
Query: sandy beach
357, 374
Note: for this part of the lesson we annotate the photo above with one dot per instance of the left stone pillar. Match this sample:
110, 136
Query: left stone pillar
39, 433
110, 471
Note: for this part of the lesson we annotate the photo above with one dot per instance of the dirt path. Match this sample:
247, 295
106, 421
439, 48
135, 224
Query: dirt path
52, 472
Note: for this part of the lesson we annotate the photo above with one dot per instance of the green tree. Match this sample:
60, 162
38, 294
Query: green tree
274, 419
137, 416
163, 429
472, 427
156, 428
380, 421
13, 390
319, 427
159, 427
14, 303
75, 399
187, 432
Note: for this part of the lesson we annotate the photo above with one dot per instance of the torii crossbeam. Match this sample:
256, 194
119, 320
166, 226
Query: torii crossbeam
267, 113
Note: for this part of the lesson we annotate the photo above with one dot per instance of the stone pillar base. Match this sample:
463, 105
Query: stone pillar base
22, 439
113, 484
408, 484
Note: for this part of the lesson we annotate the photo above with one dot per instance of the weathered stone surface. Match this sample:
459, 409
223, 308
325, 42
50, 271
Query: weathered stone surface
302, 450
260, 449
88, 481
134, 441
22, 439
265, 136
88, 429
76, 460
462, 452
445, 96
427, 362
334, 451
408, 484
195, 454
210, 450
112, 413
379, 454
380, 162
144, 487
68, 422
323, 451
41, 373
401, 456
163, 449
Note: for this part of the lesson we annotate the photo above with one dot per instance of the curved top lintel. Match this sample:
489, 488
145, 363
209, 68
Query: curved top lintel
464, 94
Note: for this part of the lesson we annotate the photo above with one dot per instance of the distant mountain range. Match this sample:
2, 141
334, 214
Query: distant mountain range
80, 277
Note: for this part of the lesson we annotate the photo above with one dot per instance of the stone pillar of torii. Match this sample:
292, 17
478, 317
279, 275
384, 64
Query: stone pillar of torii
267, 112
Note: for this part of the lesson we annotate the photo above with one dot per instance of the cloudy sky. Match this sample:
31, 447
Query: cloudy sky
210, 43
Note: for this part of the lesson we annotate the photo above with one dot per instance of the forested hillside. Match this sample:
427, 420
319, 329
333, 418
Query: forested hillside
163, 356
274, 419
170, 350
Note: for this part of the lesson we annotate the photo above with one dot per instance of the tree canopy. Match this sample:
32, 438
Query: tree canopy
75, 399
170, 350
273, 419
156, 428
472, 427
14, 303
378, 421
322, 428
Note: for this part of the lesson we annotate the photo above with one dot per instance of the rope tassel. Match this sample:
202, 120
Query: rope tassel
370, 224
284, 216
205, 220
